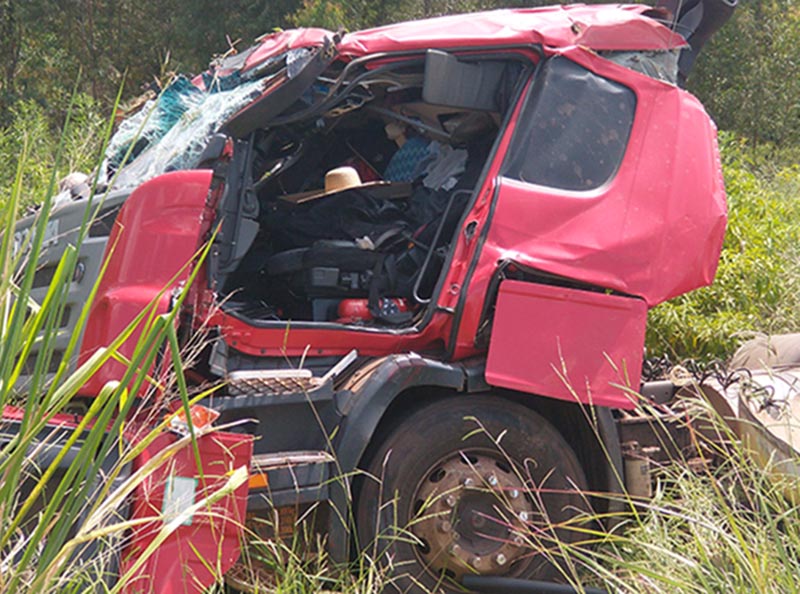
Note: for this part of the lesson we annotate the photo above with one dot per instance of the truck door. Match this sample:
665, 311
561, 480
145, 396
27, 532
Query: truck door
609, 200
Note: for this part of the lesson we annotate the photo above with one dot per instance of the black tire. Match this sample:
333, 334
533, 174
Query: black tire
443, 452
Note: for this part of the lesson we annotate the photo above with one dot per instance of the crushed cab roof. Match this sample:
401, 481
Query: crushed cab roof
597, 27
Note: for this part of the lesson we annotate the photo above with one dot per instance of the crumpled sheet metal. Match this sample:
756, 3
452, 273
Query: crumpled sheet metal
283, 41
599, 27
654, 231
176, 145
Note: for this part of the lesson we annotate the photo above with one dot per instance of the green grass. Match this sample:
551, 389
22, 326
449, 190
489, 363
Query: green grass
724, 525
47, 151
757, 285
728, 527
61, 527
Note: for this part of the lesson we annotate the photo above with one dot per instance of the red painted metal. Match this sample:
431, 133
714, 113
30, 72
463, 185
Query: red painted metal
276, 43
654, 231
17, 414
154, 239
194, 555
353, 311
601, 27
288, 340
285, 339
573, 345
612, 27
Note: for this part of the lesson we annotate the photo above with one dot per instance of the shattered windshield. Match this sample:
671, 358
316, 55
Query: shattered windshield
170, 132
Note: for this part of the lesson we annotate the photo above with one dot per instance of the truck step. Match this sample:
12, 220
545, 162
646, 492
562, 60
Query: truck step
271, 381
283, 381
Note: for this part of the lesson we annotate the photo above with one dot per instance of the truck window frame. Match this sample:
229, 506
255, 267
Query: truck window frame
573, 130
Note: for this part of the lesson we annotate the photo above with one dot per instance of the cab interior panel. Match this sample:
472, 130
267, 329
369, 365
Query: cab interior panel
360, 197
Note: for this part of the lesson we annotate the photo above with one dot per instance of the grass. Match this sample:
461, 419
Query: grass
64, 488
722, 526
756, 288
728, 527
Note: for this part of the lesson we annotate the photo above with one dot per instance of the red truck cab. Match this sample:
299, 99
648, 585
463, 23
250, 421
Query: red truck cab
434, 248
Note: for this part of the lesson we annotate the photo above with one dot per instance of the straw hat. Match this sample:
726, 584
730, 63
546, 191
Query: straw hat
337, 181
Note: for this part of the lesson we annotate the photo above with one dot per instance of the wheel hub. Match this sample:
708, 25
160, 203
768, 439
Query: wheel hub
470, 510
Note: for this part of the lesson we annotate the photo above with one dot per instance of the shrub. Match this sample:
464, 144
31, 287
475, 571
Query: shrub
756, 288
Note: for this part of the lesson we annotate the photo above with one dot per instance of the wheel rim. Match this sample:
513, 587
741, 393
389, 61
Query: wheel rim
470, 511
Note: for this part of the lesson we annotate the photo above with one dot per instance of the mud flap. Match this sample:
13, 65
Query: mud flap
568, 344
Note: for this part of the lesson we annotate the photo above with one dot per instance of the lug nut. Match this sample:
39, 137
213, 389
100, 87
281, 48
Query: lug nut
445, 526
476, 562
450, 501
454, 549
523, 515
500, 559
492, 480
518, 540
514, 493
468, 482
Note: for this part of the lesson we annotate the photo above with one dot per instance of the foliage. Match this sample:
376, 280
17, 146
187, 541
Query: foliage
749, 75
31, 129
63, 489
724, 525
695, 537
756, 288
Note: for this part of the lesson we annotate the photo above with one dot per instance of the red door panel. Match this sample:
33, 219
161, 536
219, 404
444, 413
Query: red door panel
567, 344
654, 230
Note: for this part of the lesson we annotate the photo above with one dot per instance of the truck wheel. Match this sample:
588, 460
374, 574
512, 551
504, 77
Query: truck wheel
469, 485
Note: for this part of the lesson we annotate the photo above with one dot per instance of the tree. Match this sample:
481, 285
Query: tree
749, 76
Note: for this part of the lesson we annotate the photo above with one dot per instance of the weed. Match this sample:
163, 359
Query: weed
66, 481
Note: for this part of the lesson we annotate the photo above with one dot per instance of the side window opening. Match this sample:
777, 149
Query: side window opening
573, 129
358, 202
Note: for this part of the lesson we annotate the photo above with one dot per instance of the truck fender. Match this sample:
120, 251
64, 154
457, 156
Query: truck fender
368, 395
363, 401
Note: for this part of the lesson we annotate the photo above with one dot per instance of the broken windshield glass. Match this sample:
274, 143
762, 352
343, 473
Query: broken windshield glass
171, 132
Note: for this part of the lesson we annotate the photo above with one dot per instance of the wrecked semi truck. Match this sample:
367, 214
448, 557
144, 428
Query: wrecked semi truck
433, 249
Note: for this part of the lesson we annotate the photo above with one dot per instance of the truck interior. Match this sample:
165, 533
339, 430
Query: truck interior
357, 189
